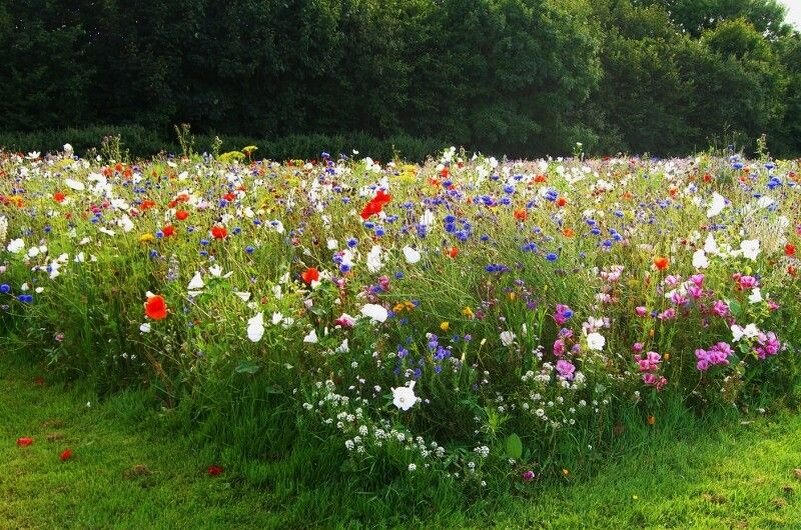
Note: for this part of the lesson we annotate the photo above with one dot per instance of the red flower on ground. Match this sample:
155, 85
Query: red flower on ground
24, 442
310, 275
561, 201
156, 307
181, 215
453, 252
59, 196
65, 455
168, 231
219, 232
215, 470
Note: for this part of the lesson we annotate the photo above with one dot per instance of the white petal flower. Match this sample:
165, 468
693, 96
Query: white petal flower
700, 261
737, 332
256, 328
374, 259
751, 331
243, 295
376, 312
403, 397
412, 256
196, 283
756, 296
717, 205
145, 328
507, 338
750, 248
311, 338
710, 247
74, 185
596, 341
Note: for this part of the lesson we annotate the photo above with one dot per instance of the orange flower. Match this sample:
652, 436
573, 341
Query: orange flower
568, 232
168, 230
661, 263
181, 215
219, 232
310, 275
651, 420
789, 250
453, 252
540, 179
59, 196
521, 214
156, 307
561, 201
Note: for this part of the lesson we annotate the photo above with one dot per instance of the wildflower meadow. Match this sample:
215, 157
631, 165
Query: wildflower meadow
470, 325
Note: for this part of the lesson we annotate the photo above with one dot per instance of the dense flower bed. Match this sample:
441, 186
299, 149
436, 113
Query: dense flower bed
465, 316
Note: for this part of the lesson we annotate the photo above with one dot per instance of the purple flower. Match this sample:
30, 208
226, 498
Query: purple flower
566, 369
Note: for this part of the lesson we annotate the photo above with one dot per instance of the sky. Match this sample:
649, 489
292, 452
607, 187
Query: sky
793, 12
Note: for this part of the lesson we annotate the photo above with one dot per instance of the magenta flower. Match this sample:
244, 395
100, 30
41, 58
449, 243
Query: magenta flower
566, 369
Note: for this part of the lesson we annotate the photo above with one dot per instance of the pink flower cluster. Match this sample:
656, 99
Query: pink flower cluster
714, 356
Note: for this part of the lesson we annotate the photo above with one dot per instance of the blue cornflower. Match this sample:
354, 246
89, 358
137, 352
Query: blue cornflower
551, 256
249, 249
5, 288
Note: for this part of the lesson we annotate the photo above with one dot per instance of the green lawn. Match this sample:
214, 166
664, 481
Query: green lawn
127, 473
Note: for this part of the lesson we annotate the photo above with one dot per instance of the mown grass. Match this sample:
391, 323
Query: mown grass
129, 472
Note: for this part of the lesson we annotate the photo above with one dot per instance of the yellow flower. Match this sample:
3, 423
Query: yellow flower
666, 357
444, 326
399, 307
145, 238
467, 312
512, 295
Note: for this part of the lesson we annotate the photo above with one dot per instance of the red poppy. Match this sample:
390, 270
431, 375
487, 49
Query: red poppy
521, 214
568, 232
445, 172
181, 215
789, 250
65, 455
218, 232
376, 204
661, 262
59, 196
146, 204
561, 201
453, 252
24, 442
230, 196
168, 230
156, 307
540, 179
215, 470
791, 271
310, 275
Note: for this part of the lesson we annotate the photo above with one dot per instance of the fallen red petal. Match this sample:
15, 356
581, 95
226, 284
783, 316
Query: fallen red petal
24, 442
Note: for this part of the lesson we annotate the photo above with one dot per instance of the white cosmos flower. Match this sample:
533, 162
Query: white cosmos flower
332, 244
196, 283
700, 261
750, 248
243, 295
750, 331
710, 246
507, 338
403, 397
412, 256
596, 341
376, 312
15, 246
145, 328
716, 205
256, 327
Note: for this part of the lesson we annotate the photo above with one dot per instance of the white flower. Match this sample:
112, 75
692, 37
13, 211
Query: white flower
750, 331
412, 256
67, 148
311, 338
277, 318
145, 328
75, 185
596, 341
750, 248
15, 246
403, 397
256, 327
710, 246
700, 261
243, 295
716, 205
756, 296
196, 283
507, 338
376, 312
332, 244
374, 259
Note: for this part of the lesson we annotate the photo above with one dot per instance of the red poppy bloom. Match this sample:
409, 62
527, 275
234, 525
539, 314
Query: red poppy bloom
789, 249
310, 275
445, 172
376, 204
453, 252
181, 215
218, 232
24, 442
168, 230
146, 204
59, 196
561, 201
539, 179
230, 196
215, 470
156, 307
521, 214
661, 262
568, 232
65, 455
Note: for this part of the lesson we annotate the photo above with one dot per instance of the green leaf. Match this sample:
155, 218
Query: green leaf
514, 446
247, 367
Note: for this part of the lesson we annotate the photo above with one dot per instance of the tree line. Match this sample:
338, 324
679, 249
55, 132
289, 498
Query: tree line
521, 77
